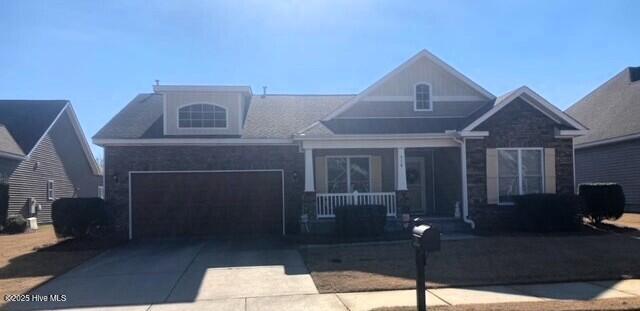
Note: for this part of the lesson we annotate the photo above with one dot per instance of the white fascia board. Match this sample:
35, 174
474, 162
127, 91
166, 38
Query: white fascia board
375, 137
572, 133
370, 144
422, 54
12, 156
190, 141
435, 98
473, 133
202, 88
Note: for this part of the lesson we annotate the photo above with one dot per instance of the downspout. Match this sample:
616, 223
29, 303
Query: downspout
465, 201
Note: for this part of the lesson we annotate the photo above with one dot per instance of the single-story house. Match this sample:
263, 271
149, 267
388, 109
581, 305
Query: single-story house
610, 152
423, 140
44, 156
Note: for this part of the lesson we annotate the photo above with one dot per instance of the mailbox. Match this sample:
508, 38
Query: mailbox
426, 238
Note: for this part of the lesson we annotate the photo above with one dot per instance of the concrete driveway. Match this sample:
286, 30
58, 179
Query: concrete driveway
179, 273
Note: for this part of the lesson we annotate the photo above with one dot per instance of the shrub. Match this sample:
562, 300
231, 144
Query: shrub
15, 224
546, 212
360, 220
80, 217
602, 201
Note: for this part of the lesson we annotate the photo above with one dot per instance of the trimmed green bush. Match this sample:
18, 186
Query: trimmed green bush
80, 217
547, 212
602, 201
360, 220
15, 224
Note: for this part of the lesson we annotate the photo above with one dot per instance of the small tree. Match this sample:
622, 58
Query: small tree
602, 201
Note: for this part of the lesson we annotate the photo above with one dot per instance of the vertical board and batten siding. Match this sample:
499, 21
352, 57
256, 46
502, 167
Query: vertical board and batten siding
616, 162
424, 70
30, 181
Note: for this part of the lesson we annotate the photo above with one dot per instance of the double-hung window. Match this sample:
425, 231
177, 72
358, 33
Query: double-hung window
348, 174
520, 171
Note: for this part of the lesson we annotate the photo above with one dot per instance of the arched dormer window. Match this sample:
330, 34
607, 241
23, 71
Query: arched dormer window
422, 97
202, 116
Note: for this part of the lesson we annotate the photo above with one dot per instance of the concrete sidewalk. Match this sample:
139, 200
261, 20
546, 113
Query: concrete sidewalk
584, 291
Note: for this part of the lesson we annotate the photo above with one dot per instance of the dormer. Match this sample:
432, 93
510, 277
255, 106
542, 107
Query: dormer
204, 110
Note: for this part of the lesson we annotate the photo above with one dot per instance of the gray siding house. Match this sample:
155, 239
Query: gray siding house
610, 152
43, 156
423, 140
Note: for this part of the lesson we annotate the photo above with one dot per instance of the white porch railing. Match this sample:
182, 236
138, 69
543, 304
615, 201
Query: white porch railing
326, 202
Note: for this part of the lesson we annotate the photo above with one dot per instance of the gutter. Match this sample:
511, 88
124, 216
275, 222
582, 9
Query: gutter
465, 200
12, 156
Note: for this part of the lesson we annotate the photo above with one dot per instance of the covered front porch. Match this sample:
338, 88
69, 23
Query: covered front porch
414, 177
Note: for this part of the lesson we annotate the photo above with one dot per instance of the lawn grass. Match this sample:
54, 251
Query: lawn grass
482, 261
30, 259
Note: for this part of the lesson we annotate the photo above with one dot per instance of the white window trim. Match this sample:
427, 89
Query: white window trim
226, 117
415, 97
520, 177
348, 157
51, 194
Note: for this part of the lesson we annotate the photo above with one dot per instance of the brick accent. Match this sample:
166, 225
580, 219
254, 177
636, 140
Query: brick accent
119, 160
516, 125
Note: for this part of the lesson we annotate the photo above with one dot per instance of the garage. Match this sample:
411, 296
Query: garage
206, 203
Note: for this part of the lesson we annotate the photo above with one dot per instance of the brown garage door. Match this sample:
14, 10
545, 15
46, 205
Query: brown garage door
206, 203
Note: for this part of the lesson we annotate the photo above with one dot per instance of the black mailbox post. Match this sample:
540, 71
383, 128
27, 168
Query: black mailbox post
425, 239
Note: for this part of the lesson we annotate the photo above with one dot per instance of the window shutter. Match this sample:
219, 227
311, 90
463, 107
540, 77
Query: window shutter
492, 176
376, 174
321, 173
549, 170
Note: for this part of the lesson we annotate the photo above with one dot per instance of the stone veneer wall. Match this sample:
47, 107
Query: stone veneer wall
516, 125
120, 160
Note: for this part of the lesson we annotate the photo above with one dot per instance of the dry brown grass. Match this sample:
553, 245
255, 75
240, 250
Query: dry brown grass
592, 305
30, 259
481, 261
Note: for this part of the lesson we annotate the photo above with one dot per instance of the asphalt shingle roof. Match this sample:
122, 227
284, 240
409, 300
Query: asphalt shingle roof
271, 116
26, 121
610, 111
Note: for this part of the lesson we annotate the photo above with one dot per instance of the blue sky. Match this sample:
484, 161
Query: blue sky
100, 54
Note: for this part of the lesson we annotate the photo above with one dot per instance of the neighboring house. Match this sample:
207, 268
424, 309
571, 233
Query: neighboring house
610, 152
423, 140
43, 156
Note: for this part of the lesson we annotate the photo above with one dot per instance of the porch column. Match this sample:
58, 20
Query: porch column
309, 179
401, 169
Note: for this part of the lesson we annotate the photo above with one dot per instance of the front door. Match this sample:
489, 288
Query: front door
416, 185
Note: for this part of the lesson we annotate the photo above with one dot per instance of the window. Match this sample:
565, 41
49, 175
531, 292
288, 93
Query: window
348, 174
519, 172
202, 116
101, 192
422, 100
50, 191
